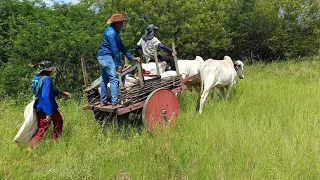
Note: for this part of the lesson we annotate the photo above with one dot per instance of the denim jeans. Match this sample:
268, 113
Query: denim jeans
109, 74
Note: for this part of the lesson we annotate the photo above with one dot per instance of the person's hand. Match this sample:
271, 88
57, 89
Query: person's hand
174, 53
66, 94
48, 119
120, 68
136, 59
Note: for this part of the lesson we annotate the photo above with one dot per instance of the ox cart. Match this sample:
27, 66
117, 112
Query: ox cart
152, 98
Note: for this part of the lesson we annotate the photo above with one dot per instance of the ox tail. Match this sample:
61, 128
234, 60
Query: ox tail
201, 80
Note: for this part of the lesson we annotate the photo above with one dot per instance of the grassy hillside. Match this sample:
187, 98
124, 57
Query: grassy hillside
269, 129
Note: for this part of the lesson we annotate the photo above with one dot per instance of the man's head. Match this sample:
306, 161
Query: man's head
117, 21
152, 28
118, 25
45, 68
150, 32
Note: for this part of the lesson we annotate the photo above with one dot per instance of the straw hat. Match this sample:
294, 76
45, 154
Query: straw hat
116, 18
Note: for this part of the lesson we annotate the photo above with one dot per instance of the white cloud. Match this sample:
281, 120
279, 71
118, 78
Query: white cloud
50, 2
72, 1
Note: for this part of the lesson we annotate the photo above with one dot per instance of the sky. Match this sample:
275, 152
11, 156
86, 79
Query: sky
49, 2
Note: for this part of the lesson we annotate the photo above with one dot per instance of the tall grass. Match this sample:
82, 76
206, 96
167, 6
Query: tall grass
268, 129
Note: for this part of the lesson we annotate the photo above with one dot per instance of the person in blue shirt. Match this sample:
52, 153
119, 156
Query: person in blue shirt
45, 104
109, 59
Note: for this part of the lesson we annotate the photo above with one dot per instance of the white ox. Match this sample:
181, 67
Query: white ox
189, 68
218, 74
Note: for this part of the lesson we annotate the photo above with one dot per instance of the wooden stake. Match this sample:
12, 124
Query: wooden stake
140, 73
156, 59
126, 61
84, 72
120, 79
175, 58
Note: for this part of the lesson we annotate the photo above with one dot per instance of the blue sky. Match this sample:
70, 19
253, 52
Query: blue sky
50, 2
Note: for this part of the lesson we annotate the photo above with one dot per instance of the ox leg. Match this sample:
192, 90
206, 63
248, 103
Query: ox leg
203, 99
220, 92
207, 84
229, 88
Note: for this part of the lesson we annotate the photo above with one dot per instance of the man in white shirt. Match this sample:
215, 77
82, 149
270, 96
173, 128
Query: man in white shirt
146, 43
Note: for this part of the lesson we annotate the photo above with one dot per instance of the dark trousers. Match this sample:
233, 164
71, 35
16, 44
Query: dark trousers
167, 59
43, 127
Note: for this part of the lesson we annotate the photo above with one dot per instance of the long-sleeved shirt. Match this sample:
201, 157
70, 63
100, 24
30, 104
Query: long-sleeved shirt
112, 45
46, 101
147, 47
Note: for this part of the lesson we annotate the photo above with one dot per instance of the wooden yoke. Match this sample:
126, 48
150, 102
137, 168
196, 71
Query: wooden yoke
84, 72
156, 59
175, 58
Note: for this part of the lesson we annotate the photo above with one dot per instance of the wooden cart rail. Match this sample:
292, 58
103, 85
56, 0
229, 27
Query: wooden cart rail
126, 109
139, 92
133, 95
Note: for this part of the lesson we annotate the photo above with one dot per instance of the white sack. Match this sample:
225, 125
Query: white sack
151, 66
168, 74
29, 126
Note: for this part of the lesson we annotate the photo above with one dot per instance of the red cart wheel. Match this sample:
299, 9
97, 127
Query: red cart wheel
161, 109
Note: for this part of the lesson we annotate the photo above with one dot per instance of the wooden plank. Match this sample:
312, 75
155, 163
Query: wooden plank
88, 89
175, 58
196, 76
84, 72
156, 59
140, 73
104, 108
87, 107
130, 108
119, 78
179, 89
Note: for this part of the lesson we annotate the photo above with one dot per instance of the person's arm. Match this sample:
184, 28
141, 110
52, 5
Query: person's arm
56, 92
62, 93
165, 48
125, 51
45, 94
138, 45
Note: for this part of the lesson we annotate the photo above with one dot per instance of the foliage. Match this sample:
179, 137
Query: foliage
31, 32
270, 30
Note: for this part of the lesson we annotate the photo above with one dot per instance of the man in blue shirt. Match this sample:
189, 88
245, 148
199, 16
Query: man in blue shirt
109, 59
46, 105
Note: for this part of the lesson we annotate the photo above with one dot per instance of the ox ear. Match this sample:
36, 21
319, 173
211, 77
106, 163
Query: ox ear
241, 62
236, 62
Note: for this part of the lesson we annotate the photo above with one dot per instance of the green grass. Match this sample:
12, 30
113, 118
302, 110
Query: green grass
268, 129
